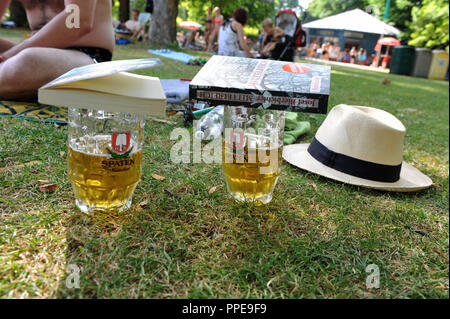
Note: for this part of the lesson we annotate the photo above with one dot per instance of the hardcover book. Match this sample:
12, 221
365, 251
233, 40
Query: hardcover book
260, 83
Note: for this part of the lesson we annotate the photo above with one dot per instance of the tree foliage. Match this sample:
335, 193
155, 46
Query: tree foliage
258, 9
287, 4
319, 9
425, 22
429, 24
399, 13
138, 4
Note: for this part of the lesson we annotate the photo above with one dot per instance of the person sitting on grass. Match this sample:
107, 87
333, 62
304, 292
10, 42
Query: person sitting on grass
325, 51
353, 55
271, 38
55, 46
346, 56
134, 26
190, 40
231, 35
362, 56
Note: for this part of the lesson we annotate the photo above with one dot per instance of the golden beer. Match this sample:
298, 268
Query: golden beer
101, 182
245, 178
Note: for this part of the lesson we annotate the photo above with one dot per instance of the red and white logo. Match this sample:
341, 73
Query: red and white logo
296, 68
237, 139
121, 142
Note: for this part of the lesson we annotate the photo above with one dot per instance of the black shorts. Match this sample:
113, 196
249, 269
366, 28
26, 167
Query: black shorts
97, 54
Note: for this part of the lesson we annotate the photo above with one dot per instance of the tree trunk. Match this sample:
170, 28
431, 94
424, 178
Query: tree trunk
18, 14
124, 10
163, 27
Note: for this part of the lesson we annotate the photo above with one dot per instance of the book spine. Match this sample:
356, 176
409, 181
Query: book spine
271, 100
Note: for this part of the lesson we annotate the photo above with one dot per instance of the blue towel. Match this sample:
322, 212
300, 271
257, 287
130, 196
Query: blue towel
123, 41
179, 56
175, 90
8, 24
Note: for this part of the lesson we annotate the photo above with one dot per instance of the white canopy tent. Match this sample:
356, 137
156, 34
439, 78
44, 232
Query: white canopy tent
354, 20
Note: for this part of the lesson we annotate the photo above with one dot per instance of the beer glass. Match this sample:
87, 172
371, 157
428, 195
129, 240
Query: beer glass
104, 158
252, 152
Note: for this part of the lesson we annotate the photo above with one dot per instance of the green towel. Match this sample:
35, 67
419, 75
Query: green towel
293, 128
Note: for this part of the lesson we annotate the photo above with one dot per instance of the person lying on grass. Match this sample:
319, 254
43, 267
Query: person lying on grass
58, 44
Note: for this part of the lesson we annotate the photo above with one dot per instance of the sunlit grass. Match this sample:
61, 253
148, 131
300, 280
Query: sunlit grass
314, 240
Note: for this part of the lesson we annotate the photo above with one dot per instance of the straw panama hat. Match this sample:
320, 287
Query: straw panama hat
361, 146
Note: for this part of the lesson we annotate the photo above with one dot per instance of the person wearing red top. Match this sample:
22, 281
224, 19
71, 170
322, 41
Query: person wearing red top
217, 21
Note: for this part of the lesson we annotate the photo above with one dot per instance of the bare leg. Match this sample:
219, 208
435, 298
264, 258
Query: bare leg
212, 38
135, 34
5, 45
23, 74
207, 36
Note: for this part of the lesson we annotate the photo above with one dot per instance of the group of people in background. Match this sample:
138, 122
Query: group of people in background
332, 52
327, 51
226, 36
191, 40
233, 42
356, 56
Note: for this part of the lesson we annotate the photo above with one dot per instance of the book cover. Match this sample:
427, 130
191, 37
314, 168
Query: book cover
261, 83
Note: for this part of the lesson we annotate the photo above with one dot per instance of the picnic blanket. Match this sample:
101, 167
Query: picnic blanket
176, 91
178, 56
34, 111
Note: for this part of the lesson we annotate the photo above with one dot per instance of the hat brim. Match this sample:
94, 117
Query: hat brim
411, 179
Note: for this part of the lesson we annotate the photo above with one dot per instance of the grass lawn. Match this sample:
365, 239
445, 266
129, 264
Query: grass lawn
314, 240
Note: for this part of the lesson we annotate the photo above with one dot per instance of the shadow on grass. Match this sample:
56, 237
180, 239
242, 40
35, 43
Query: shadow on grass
314, 239
190, 248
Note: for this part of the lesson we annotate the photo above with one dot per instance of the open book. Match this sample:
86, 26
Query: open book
106, 86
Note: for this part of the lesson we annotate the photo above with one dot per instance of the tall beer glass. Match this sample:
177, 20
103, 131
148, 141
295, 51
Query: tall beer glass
252, 150
104, 158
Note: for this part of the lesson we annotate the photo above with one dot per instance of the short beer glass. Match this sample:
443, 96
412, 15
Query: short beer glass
104, 158
252, 152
